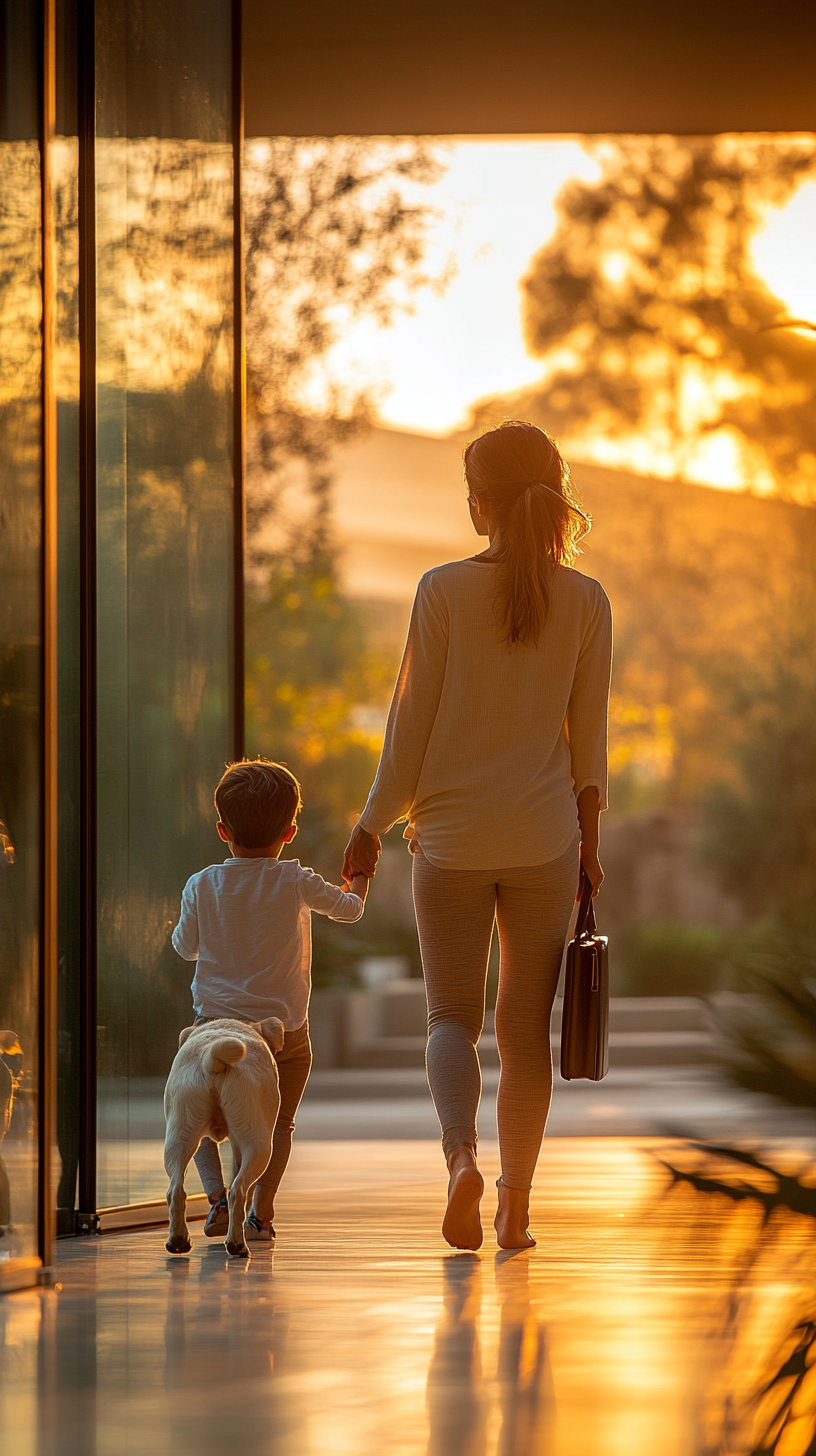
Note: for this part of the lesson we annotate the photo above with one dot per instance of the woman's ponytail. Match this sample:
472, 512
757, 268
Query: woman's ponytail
520, 472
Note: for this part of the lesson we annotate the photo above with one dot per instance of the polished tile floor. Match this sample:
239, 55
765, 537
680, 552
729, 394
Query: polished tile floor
374, 1105
669, 1288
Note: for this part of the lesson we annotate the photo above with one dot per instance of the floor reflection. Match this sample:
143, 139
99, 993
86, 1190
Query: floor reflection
10, 1054
456, 1400
668, 1308
524, 1375
460, 1392
18, 1144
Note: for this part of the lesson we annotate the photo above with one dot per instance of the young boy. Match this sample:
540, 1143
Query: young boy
247, 925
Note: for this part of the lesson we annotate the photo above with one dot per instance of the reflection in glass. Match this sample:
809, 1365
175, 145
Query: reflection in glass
64, 183
20, 537
164, 456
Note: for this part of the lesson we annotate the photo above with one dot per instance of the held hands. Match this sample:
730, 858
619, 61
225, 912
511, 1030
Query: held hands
362, 853
358, 885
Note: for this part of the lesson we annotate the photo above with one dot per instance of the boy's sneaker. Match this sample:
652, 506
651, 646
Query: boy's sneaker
217, 1222
259, 1231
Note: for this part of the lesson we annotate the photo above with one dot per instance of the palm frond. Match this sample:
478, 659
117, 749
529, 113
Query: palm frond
768, 1036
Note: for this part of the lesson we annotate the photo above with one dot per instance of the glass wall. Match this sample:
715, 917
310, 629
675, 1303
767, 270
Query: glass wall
65, 374
20, 630
164, 309
138, 361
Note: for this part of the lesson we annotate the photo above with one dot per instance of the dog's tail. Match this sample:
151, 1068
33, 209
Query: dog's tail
223, 1053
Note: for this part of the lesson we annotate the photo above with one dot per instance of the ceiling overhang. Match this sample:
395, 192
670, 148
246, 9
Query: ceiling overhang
472, 67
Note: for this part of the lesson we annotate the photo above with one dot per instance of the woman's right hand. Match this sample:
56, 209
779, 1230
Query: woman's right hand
362, 853
591, 867
589, 814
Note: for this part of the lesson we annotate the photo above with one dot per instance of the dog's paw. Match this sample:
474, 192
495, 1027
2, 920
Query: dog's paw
237, 1251
178, 1244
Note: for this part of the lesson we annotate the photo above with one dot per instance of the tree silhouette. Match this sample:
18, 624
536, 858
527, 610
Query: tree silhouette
653, 325
331, 236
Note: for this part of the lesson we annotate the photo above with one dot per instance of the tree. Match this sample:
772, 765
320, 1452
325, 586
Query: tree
761, 834
761, 840
332, 235
653, 326
313, 682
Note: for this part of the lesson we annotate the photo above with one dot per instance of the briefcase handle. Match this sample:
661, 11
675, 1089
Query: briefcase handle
585, 923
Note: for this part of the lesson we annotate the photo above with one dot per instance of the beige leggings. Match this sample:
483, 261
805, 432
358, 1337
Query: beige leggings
455, 910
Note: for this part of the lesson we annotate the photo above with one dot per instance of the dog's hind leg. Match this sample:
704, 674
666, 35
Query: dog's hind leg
254, 1158
180, 1144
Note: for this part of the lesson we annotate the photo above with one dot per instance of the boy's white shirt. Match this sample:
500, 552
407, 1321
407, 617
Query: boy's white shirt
247, 924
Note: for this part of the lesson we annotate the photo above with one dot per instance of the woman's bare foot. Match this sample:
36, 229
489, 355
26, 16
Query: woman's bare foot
512, 1217
462, 1226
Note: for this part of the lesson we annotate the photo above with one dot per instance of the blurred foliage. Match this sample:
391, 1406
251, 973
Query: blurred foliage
659, 340
757, 1394
786, 1403
705, 585
642, 734
331, 235
768, 1034
761, 826
309, 670
20, 568
338, 949
670, 958
653, 325
761, 841
740, 1176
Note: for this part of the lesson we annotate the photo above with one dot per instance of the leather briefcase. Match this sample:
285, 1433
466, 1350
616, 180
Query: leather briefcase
585, 1020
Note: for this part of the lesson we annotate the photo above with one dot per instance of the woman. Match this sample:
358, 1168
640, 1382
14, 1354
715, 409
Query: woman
495, 752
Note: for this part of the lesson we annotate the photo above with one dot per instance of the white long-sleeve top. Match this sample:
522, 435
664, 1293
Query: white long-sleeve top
486, 750
247, 925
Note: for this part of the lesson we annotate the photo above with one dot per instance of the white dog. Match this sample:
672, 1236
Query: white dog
223, 1083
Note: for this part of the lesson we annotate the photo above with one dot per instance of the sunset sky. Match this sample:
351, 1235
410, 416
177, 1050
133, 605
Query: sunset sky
496, 210
496, 203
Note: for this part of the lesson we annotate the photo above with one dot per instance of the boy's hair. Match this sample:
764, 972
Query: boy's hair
257, 801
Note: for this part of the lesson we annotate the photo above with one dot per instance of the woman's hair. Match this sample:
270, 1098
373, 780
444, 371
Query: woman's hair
257, 800
521, 474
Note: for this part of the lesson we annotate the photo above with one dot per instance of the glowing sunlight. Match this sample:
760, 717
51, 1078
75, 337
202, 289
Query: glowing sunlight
495, 205
783, 253
495, 209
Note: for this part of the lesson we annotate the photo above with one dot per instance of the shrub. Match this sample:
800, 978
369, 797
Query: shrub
768, 1034
668, 958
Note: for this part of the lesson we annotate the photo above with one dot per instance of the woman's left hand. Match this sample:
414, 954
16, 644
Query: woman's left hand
362, 853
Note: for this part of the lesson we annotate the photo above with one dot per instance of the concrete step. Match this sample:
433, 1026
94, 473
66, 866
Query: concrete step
386, 1028
379, 1084
626, 1049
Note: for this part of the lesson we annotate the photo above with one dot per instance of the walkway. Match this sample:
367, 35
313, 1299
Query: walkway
646, 1321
